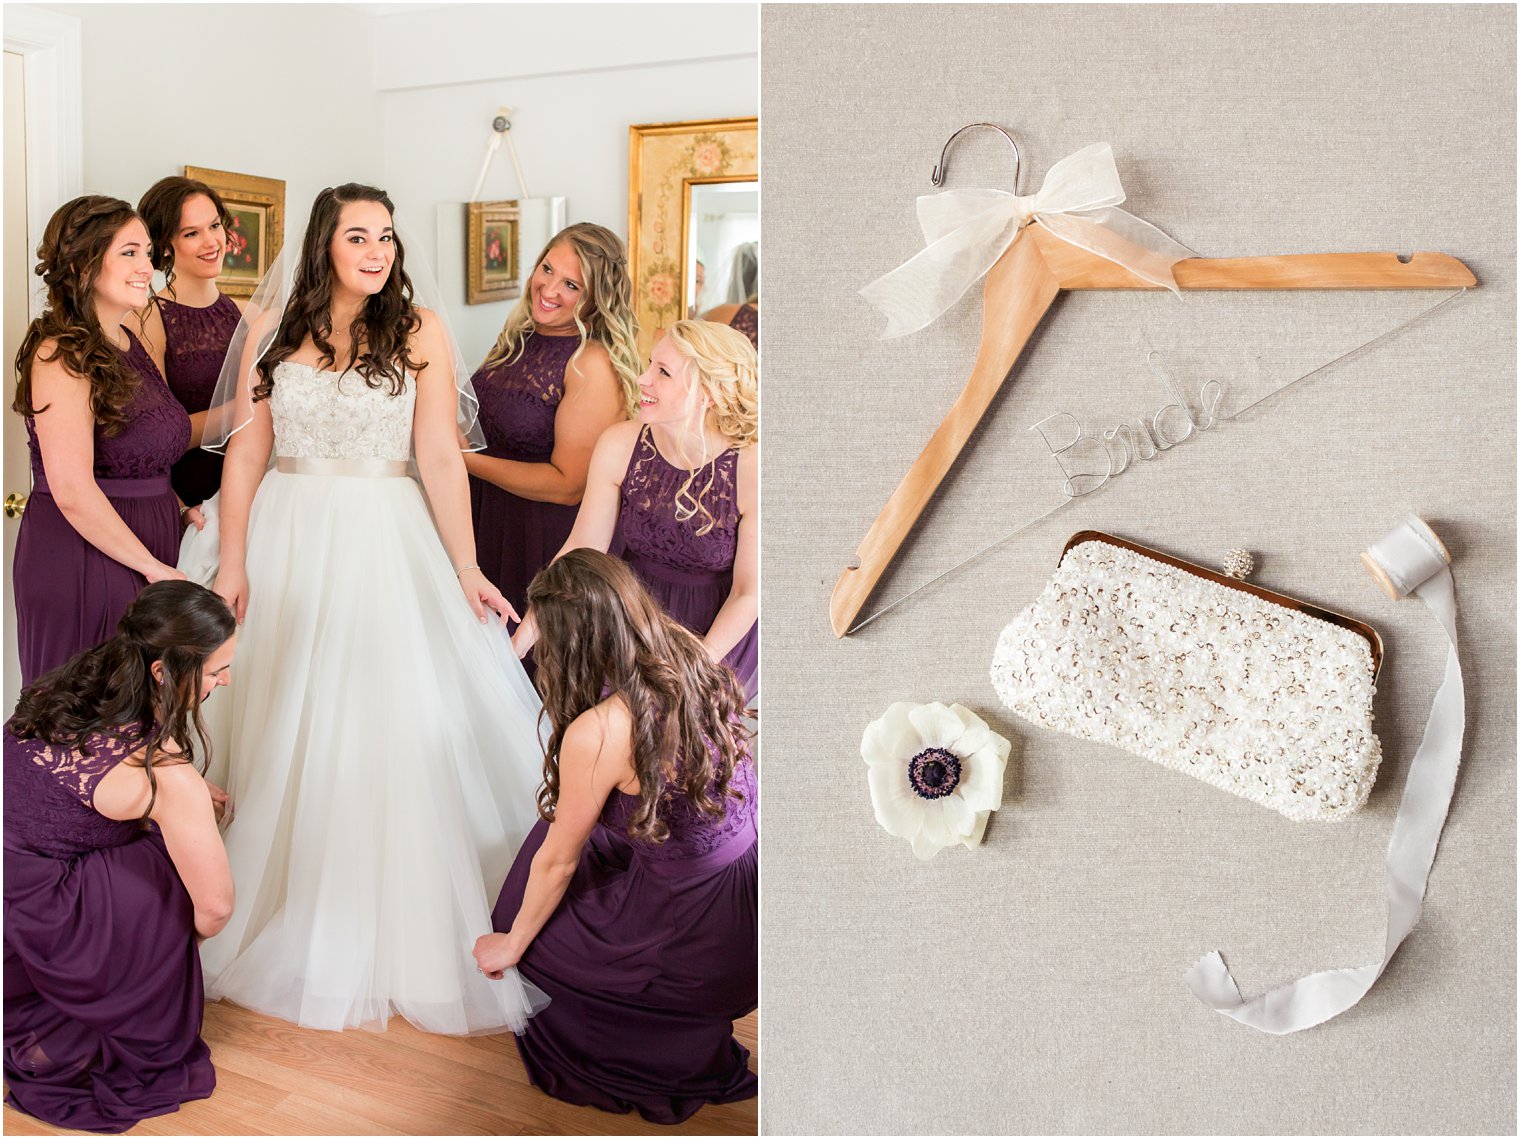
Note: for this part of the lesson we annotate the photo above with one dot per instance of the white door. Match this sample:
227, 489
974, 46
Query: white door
18, 260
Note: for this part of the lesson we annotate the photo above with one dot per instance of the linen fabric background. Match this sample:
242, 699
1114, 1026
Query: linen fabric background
1035, 985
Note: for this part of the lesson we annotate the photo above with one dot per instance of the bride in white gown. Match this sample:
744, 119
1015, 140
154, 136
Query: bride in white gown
384, 741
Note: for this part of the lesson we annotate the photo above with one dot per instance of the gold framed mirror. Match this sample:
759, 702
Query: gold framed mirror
666, 163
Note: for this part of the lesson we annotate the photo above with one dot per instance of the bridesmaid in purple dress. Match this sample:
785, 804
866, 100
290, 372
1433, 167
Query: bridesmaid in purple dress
188, 326
564, 370
744, 283
114, 868
103, 430
682, 485
633, 904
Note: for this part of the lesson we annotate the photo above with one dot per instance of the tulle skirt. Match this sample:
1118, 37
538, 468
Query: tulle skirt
383, 760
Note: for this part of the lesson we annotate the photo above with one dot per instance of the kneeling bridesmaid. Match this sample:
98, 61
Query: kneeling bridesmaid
114, 869
633, 904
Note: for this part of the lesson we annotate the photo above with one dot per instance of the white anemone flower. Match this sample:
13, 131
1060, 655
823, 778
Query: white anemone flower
936, 774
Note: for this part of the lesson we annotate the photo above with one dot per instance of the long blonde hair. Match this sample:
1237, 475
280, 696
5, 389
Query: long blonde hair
724, 371
605, 315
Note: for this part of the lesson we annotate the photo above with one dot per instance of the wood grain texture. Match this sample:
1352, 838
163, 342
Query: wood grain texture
274, 1078
1076, 268
1019, 289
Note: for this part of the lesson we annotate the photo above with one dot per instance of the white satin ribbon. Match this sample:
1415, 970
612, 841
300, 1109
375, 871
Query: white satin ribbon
1414, 561
966, 231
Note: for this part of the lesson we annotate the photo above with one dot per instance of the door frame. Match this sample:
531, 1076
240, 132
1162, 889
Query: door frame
52, 45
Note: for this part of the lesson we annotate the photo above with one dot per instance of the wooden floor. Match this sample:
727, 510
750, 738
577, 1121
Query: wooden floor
273, 1078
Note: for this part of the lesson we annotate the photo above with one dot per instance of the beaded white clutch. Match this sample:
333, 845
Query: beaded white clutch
1256, 693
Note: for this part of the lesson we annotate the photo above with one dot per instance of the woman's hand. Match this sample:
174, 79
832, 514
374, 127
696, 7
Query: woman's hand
221, 803
231, 586
482, 595
160, 572
192, 516
526, 636
495, 954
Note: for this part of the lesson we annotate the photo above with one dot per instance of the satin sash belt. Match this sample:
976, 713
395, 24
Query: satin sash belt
150, 487
1416, 564
361, 468
674, 575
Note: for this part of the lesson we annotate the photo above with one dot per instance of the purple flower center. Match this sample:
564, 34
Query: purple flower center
935, 773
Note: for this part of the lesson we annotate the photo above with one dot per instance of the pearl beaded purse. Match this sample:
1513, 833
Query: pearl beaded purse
1256, 693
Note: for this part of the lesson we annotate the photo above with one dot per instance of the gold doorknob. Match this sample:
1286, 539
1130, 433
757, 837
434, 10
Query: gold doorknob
15, 505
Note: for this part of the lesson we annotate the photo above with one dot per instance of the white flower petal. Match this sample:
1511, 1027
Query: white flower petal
974, 839
892, 739
937, 725
898, 810
958, 815
927, 847
974, 730
982, 778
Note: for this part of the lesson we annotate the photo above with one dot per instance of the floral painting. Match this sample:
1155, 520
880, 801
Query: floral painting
257, 206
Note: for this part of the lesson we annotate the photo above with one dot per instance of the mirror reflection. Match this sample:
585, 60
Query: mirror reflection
722, 271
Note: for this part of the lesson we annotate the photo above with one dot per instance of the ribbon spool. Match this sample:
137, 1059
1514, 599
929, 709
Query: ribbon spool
1410, 559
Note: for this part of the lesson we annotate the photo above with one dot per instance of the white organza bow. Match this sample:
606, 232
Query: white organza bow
966, 231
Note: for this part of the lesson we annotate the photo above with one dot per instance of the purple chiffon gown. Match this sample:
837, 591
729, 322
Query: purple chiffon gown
688, 573
69, 595
747, 321
648, 960
103, 995
516, 537
196, 342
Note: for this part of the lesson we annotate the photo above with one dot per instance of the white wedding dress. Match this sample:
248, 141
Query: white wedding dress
383, 745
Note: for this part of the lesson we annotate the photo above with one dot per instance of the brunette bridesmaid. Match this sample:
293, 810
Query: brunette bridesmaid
114, 868
188, 326
564, 369
103, 430
633, 903
681, 485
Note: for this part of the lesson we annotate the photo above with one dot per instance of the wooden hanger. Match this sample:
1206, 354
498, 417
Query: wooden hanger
1019, 290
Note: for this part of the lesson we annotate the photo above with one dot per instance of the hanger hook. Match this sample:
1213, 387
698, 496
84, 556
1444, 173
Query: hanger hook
938, 177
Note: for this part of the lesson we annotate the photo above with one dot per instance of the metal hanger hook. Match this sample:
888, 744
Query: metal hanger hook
938, 177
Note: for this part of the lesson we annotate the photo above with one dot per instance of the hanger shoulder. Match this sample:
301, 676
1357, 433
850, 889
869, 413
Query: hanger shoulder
1019, 289
1077, 268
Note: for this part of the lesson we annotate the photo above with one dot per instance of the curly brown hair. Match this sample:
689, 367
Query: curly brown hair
110, 689
384, 325
601, 633
160, 210
74, 247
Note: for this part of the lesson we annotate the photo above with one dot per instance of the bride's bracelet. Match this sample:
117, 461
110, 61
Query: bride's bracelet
462, 570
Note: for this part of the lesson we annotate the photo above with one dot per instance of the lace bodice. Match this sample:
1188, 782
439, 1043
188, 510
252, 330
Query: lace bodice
693, 834
195, 342
518, 401
649, 523
747, 321
157, 430
329, 415
48, 794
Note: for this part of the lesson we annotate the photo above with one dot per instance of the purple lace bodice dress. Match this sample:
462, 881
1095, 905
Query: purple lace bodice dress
102, 977
69, 595
516, 537
195, 343
688, 573
747, 321
650, 957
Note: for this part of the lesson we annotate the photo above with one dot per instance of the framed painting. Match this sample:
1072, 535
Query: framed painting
665, 160
257, 206
493, 233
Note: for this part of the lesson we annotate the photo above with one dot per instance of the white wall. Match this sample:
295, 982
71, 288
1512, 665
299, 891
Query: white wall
570, 116
324, 93
277, 90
